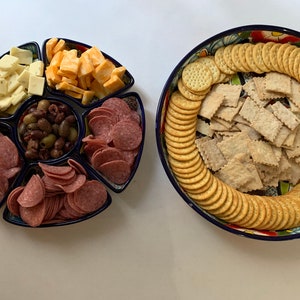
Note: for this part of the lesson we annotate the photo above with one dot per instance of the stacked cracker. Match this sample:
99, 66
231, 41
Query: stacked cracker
195, 88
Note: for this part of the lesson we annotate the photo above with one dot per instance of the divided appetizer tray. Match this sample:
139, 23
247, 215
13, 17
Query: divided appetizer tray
227, 131
70, 132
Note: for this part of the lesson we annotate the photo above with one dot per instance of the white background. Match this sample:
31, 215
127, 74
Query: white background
149, 244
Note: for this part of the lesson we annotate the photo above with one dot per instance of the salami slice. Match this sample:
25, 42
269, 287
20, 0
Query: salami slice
10, 173
118, 105
104, 155
93, 145
117, 171
102, 111
9, 153
134, 115
3, 186
33, 193
101, 127
127, 135
91, 196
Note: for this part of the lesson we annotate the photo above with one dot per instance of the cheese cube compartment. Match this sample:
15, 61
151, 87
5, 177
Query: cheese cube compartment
83, 72
18, 67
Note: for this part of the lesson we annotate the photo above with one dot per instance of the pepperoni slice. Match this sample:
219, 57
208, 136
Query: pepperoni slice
55, 170
77, 166
127, 135
34, 215
117, 171
76, 184
12, 200
71, 204
90, 197
53, 205
33, 193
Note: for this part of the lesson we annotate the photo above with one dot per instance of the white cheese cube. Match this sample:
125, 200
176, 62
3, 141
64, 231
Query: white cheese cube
20, 68
5, 102
36, 85
37, 68
4, 74
18, 97
24, 78
3, 86
13, 82
25, 56
8, 62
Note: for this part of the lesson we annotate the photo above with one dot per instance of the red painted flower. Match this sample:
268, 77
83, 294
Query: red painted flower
272, 36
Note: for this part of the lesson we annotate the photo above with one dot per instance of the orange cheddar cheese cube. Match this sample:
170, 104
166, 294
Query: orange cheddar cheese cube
113, 84
51, 75
119, 71
96, 56
60, 45
57, 58
70, 62
51, 43
103, 72
85, 65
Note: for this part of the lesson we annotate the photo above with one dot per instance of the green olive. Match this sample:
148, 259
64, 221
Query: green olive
29, 118
73, 135
43, 104
48, 141
32, 126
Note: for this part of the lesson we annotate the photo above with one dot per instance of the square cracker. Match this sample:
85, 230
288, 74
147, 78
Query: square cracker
250, 88
228, 113
211, 154
262, 92
210, 104
231, 93
266, 124
240, 171
262, 153
249, 110
295, 93
279, 83
285, 115
236, 144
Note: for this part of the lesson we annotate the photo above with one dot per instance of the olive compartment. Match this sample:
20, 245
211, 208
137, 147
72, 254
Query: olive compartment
9, 125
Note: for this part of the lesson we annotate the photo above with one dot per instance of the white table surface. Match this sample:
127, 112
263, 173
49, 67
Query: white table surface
148, 244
